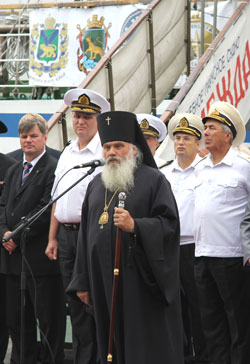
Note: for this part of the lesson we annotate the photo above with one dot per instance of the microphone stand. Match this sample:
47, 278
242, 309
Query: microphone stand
24, 227
22, 289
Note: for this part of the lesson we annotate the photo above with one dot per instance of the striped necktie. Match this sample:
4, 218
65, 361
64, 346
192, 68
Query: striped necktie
26, 171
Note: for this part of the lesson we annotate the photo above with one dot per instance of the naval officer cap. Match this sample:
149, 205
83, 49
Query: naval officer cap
185, 123
227, 114
152, 126
88, 101
123, 126
3, 128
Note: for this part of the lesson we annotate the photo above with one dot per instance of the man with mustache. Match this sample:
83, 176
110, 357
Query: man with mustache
221, 195
147, 323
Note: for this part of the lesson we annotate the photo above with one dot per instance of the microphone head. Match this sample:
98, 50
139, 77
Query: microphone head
101, 161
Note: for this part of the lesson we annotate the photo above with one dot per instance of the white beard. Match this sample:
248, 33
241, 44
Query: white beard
120, 175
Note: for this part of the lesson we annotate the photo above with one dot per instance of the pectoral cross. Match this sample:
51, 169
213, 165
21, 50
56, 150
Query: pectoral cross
108, 119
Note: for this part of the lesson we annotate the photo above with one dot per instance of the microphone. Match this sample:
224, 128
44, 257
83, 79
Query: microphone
17, 230
93, 164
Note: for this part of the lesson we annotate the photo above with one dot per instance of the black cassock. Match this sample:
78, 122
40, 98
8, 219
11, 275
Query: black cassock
148, 320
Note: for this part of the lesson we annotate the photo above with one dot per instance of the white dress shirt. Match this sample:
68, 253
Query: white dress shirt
69, 206
221, 195
183, 182
34, 161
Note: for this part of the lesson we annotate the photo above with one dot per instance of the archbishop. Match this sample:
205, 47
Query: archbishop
147, 323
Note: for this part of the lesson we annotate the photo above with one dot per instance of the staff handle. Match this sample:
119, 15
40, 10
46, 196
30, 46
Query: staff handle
121, 202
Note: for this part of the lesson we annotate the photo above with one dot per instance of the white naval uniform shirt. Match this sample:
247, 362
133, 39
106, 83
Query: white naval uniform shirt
221, 196
183, 182
69, 206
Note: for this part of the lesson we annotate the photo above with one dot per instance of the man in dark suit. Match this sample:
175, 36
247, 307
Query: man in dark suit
26, 191
18, 153
5, 163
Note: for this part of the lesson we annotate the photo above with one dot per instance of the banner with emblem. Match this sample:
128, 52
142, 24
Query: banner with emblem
66, 44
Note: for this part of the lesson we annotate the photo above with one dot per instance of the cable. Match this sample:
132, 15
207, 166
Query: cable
42, 335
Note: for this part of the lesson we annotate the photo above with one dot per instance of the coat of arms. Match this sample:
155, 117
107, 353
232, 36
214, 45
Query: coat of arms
93, 43
48, 47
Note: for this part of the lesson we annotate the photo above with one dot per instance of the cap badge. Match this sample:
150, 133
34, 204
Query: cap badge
108, 119
83, 100
144, 124
220, 117
215, 113
183, 123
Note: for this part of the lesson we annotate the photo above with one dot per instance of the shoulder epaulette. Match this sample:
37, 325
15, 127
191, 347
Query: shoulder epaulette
244, 156
165, 164
68, 143
201, 160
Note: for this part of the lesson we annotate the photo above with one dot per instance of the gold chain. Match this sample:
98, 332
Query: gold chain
104, 218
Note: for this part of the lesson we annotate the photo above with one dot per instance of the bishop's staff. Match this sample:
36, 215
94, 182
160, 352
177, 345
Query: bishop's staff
121, 202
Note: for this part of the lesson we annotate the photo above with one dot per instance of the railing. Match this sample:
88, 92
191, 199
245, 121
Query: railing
106, 61
14, 65
172, 107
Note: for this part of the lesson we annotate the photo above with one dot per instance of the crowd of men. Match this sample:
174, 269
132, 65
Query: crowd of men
159, 277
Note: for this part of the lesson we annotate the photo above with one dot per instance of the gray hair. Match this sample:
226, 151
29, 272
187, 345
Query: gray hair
29, 121
226, 129
139, 156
